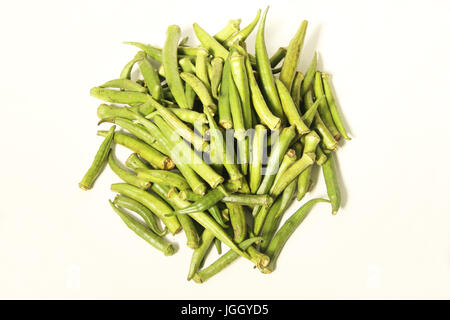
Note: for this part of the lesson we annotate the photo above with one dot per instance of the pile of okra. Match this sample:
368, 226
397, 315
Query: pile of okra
222, 140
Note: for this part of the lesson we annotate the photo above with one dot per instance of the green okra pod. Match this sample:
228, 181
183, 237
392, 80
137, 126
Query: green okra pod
150, 75
224, 261
99, 161
137, 207
290, 109
201, 90
144, 232
163, 177
265, 71
193, 239
231, 28
309, 76
257, 157
150, 154
152, 202
323, 109
332, 106
274, 217
281, 237
276, 58
210, 43
201, 70
307, 159
170, 63
124, 84
259, 104
152, 52
244, 33
292, 56
238, 222
199, 254
126, 175
225, 120
331, 181
216, 75
206, 202
114, 96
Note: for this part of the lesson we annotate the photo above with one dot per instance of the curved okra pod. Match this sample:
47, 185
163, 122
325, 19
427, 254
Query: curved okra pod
327, 138
332, 106
150, 154
126, 175
309, 115
210, 43
295, 90
331, 181
206, 202
244, 33
144, 232
99, 161
149, 74
124, 84
201, 69
188, 67
214, 210
216, 75
259, 104
281, 237
163, 177
276, 58
134, 162
288, 159
170, 63
152, 202
200, 89
290, 109
307, 159
191, 177
188, 156
324, 111
152, 52
249, 199
225, 120
193, 239
265, 71
231, 28
180, 127
140, 209
257, 157
199, 254
115, 96
238, 223
224, 261
292, 55
309, 76
274, 217
126, 71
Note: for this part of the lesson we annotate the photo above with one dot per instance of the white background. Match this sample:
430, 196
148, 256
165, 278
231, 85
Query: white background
390, 66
